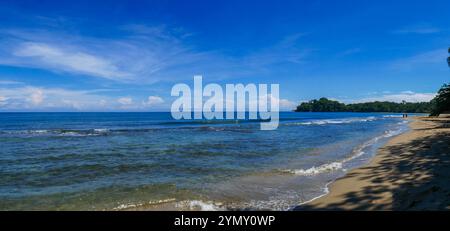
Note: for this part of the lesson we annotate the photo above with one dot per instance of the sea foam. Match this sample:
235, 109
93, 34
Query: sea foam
333, 166
335, 121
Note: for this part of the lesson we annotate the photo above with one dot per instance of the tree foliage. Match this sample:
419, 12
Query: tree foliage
441, 103
326, 105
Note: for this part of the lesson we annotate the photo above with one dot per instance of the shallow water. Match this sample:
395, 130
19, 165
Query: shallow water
92, 161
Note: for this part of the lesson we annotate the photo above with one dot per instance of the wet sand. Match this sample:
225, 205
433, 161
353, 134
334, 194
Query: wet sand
411, 172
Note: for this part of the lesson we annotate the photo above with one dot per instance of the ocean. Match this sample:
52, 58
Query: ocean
115, 161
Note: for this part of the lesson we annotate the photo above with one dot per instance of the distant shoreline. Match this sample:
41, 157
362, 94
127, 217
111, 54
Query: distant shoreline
410, 172
326, 105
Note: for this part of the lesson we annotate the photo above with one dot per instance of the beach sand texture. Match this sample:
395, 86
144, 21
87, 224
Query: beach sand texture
411, 172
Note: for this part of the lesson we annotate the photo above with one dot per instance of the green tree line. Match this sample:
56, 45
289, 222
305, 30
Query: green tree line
441, 103
326, 105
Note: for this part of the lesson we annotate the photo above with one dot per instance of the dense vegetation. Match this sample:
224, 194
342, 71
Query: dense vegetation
441, 103
326, 105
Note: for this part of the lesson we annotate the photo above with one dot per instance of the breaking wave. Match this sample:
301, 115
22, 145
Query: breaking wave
335, 121
137, 205
198, 205
392, 116
69, 132
59, 132
333, 166
315, 170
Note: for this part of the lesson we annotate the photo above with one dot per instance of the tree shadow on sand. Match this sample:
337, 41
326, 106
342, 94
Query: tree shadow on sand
417, 175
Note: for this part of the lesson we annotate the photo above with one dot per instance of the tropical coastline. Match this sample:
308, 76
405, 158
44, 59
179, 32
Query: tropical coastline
263, 114
150, 163
410, 172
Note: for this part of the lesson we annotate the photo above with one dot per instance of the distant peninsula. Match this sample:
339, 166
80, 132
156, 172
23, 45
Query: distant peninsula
439, 105
327, 105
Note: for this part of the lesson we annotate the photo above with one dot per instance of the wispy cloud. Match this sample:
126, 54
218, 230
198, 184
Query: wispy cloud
438, 56
128, 58
350, 51
287, 50
419, 28
133, 54
10, 82
66, 59
408, 96
141, 54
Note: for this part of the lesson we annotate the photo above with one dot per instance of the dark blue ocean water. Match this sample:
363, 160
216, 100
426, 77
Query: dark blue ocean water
94, 161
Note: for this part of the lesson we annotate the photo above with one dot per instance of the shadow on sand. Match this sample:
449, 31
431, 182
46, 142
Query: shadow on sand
417, 174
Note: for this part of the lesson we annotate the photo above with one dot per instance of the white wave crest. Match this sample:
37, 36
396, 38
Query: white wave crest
101, 130
154, 202
37, 131
315, 170
335, 121
199, 205
356, 152
392, 116
61, 132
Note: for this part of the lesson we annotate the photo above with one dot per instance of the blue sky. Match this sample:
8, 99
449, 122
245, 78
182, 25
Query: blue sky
126, 56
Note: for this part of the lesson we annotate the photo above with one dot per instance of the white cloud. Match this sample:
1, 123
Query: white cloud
407, 92
36, 96
408, 96
32, 98
153, 100
286, 104
40, 98
141, 54
125, 100
133, 56
67, 59
102, 102
3, 100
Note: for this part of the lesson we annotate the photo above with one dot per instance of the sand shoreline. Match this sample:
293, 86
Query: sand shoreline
410, 172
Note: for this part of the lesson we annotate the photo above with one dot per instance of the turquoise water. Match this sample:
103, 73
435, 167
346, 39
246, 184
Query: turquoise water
94, 161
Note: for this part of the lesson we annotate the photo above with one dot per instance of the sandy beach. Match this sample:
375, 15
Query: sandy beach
411, 172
